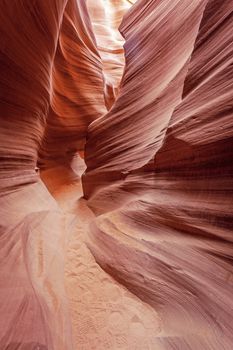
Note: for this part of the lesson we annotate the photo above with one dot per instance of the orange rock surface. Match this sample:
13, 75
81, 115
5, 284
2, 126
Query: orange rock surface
116, 175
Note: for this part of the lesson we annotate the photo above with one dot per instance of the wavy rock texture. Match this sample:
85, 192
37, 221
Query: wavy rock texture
33, 229
145, 260
161, 176
77, 87
106, 17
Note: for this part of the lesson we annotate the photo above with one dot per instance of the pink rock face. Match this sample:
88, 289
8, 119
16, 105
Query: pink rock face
106, 17
130, 248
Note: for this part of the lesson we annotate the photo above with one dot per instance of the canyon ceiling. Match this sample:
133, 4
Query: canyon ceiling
116, 175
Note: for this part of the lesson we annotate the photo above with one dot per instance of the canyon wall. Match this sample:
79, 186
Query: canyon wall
159, 171
149, 108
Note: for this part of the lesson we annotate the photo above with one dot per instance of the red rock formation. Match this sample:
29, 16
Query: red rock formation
106, 17
32, 298
151, 86
77, 96
163, 172
153, 268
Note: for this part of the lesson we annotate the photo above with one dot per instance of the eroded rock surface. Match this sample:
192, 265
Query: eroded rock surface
131, 249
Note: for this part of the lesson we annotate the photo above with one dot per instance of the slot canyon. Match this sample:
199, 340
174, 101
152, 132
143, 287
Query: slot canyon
116, 175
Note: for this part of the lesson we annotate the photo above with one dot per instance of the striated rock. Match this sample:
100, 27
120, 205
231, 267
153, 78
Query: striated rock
77, 96
152, 86
106, 17
144, 260
164, 190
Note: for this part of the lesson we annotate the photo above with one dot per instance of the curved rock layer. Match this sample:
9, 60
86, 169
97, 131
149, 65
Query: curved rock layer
106, 17
33, 305
152, 268
77, 96
52, 88
161, 177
